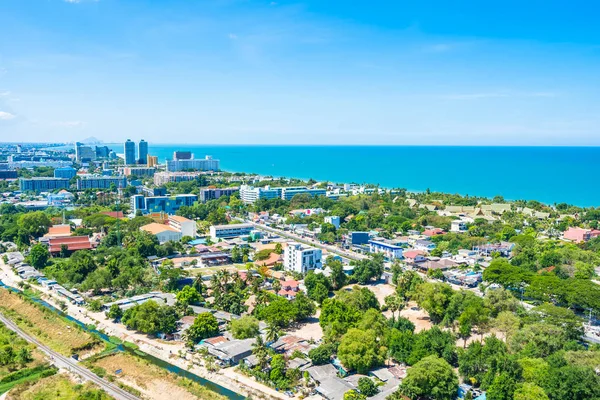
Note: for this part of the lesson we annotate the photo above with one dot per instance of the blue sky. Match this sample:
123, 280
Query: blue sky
309, 72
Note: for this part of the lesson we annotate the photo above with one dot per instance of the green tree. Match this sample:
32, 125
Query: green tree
434, 298
431, 378
322, 354
188, 295
529, 391
115, 312
360, 350
205, 325
507, 323
38, 256
338, 277
502, 388
573, 383
367, 387
273, 332
34, 224
354, 395
244, 327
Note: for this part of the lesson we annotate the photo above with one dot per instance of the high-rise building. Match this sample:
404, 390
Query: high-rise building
182, 155
203, 164
152, 161
84, 153
129, 152
102, 151
142, 152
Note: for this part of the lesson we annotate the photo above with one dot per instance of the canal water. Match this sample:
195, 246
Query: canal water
150, 358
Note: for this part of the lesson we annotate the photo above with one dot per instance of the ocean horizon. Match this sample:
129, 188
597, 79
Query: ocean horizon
550, 174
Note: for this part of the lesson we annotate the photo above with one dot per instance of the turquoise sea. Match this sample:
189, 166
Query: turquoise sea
548, 174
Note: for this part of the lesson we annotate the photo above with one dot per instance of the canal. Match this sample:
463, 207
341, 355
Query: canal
138, 353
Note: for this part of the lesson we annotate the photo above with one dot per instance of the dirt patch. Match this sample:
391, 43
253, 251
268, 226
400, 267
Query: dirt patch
152, 381
310, 329
417, 316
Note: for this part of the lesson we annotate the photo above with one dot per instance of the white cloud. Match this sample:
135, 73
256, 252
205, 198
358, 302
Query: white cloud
72, 1
232, 36
69, 124
5, 116
4, 93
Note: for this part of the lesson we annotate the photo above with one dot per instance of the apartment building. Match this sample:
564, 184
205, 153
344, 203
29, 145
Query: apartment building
390, 251
100, 182
202, 164
230, 231
43, 184
301, 258
215, 193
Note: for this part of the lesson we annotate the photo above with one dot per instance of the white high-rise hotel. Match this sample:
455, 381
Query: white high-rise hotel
301, 258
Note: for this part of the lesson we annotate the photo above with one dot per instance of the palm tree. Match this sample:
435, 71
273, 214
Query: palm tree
394, 303
259, 349
272, 333
276, 285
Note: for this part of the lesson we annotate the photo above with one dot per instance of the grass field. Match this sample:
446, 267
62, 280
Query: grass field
25, 375
151, 381
56, 332
56, 387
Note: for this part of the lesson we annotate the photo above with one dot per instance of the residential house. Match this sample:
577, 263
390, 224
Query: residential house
579, 235
425, 245
414, 256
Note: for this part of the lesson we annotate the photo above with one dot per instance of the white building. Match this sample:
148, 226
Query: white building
250, 194
287, 193
201, 164
230, 231
301, 258
390, 251
164, 233
333, 220
458, 226
187, 227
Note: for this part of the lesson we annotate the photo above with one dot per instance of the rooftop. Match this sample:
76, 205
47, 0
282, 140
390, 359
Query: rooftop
155, 228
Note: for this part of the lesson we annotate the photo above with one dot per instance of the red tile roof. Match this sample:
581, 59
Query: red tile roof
114, 214
413, 253
72, 242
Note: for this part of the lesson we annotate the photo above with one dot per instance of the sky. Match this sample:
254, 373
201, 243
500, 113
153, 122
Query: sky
301, 72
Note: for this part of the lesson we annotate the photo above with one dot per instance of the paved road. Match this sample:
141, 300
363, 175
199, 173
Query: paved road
61, 361
332, 249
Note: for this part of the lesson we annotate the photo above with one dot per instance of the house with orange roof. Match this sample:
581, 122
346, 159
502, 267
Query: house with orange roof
56, 231
164, 233
72, 243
